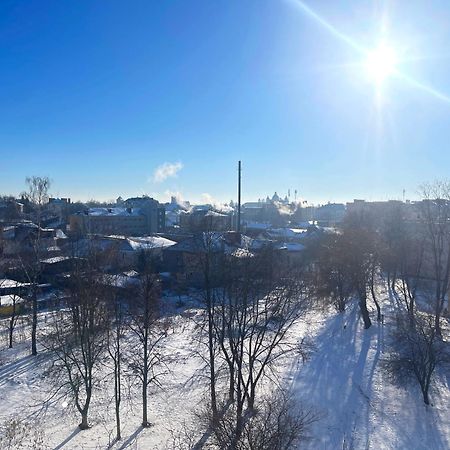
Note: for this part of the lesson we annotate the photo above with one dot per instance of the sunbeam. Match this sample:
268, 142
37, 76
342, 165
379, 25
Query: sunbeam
381, 62
327, 25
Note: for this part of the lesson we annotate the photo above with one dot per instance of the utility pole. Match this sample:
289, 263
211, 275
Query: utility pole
239, 199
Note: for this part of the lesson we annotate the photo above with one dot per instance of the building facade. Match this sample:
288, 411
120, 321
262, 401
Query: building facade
139, 217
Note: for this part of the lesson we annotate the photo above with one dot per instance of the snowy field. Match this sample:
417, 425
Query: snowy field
342, 380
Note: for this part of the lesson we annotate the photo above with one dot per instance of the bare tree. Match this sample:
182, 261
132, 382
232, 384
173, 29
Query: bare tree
417, 350
253, 315
78, 339
410, 269
147, 363
374, 268
115, 332
392, 232
16, 303
278, 424
362, 263
435, 214
334, 271
207, 260
347, 265
37, 194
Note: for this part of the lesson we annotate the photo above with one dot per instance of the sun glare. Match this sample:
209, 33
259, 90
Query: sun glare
381, 63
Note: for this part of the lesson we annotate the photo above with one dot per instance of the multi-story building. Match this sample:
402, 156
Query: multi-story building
330, 214
205, 219
10, 209
379, 210
140, 216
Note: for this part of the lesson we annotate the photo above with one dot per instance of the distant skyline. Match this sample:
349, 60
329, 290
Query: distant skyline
163, 98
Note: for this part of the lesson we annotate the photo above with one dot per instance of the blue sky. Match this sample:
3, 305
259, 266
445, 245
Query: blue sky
99, 95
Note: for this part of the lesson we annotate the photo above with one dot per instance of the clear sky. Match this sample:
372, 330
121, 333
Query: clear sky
112, 98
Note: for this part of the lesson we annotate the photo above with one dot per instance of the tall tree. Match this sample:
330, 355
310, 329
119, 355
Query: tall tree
37, 194
417, 350
435, 215
347, 265
255, 310
147, 363
207, 262
334, 264
78, 339
115, 332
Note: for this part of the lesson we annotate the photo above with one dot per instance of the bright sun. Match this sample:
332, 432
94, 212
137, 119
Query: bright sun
381, 63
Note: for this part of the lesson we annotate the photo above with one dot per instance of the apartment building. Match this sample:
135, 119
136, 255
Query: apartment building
138, 217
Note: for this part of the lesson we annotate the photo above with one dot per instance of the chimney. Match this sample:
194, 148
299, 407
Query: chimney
238, 227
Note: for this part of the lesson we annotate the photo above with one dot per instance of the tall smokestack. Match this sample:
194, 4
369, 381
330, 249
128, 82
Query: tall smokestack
239, 199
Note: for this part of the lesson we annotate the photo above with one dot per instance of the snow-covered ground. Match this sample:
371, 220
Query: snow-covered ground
360, 407
343, 380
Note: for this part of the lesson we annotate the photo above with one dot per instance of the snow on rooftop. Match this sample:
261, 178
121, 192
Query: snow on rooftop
131, 273
7, 283
119, 280
53, 248
114, 211
287, 232
212, 213
8, 300
149, 242
60, 234
292, 247
55, 259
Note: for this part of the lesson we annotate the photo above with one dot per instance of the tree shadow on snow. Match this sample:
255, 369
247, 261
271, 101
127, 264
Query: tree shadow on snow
20, 367
131, 438
68, 439
334, 379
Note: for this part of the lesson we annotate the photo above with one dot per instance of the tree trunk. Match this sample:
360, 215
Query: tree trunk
426, 399
118, 432
240, 394
341, 298
437, 319
34, 324
212, 369
209, 307
11, 337
145, 422
374, 297
411, 304
251, 397
393, 281
239, 422
84, 421
118, 399
231, 386
12, 323
364, 311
